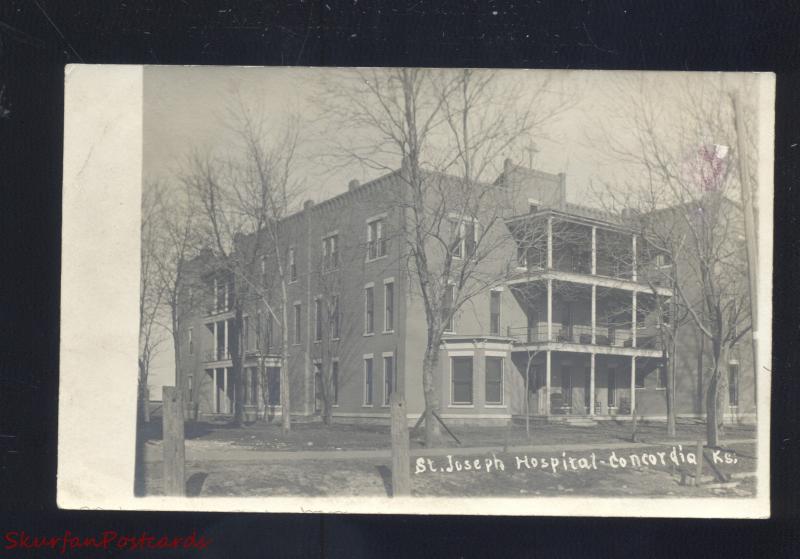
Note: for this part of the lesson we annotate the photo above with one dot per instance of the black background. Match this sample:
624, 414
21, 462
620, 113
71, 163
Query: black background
38, 37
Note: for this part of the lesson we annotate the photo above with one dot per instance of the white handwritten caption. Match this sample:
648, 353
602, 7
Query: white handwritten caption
566, 463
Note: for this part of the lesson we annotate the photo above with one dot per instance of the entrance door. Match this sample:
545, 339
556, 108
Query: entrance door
566, 389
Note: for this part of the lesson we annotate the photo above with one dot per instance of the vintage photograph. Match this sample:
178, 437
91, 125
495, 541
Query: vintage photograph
449, 283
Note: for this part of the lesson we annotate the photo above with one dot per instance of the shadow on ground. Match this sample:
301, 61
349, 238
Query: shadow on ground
386, 478
194, 485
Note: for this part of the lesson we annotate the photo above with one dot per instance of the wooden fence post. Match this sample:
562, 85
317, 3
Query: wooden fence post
401, 467
174, 449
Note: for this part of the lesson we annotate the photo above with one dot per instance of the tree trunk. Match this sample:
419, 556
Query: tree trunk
713, 415
143, 396
670, 400
671, 431
327, 395
176, 346
429, 365
700, 380
712, 429
236, 352
286, 420
144, 401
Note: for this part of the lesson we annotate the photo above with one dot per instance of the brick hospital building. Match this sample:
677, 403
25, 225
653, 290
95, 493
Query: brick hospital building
567, 333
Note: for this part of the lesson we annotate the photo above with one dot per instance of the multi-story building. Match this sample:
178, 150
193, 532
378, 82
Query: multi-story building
567, 331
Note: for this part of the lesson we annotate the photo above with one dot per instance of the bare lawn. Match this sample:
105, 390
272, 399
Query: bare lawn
257, 460
316, 436
372, 477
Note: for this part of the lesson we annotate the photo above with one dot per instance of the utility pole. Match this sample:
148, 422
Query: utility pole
749, 229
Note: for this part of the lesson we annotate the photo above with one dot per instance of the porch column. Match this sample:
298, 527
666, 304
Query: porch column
549, 311
226, 400
547, 385
633, 386
549, 243
594, 314
591, 384
594, 250
633, 320
215, 385
633, 258
225, 349
214, 345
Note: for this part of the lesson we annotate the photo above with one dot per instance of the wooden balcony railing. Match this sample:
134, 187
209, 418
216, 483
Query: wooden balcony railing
581, 334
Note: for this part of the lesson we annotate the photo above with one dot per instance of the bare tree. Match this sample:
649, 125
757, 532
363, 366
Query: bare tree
177, 241
243, 198
677, 149
151, 292
449, 129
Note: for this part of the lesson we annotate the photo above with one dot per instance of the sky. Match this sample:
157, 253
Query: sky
188, 107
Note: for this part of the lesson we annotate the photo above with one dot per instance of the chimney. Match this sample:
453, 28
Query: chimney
307, 204
352, 185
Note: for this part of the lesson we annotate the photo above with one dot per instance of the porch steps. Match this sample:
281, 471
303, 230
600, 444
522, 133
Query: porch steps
576, 420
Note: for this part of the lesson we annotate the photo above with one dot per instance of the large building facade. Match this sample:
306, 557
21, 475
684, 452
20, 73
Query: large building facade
568, 330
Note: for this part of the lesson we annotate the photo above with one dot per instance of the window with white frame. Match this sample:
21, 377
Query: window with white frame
334, 317
368, 381
388, 378
461, 375
223, 288
663, 260
376, 238
494, 381
274, 386
494, 311
298, 336
318, 319
330, 252
448, 310
292, 264
388, 306
369, 309
464, 235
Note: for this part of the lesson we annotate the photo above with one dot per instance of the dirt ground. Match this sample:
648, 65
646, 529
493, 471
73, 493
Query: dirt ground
372, 477
316, 436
